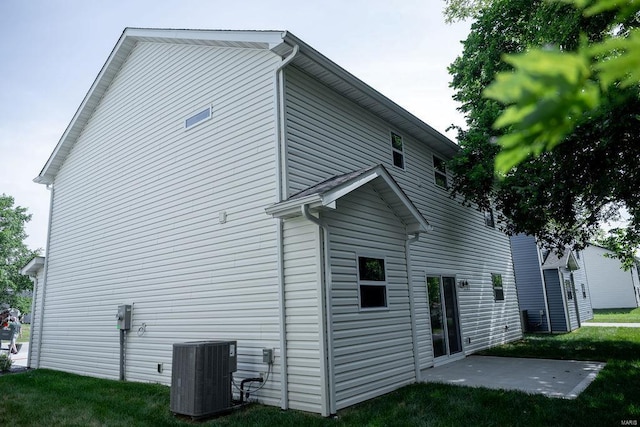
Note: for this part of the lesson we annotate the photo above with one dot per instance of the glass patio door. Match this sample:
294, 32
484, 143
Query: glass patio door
445, 320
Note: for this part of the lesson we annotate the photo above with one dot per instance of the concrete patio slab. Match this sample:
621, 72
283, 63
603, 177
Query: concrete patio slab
554, 378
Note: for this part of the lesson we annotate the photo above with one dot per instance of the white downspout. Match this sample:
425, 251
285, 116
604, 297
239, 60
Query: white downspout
44, 281
280, 152
328, 316
412, 310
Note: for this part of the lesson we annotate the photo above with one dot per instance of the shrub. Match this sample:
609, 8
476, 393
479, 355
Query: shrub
5, 362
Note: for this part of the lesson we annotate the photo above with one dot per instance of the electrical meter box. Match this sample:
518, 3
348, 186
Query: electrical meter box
124, 317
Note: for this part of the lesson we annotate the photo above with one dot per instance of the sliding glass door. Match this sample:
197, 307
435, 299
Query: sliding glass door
445, 319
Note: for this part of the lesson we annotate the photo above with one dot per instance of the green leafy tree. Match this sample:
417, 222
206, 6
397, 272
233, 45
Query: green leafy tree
459, 10
561, 196
14, 254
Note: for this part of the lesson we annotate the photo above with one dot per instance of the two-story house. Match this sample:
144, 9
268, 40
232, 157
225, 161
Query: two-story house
239, 185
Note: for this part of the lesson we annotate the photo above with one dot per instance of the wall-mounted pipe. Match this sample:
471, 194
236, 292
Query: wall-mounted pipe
51, 188
412, 309
328, 321
280, 152
34, 297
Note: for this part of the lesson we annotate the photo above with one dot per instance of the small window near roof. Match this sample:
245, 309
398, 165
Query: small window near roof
488, 218
372, 282
498, 290
197, 118
397, 150
440, 172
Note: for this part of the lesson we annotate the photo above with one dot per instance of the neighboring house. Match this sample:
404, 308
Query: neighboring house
238, 185
611, 286
553, 291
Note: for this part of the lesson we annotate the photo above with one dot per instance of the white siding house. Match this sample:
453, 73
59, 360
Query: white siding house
238, 185
611, 286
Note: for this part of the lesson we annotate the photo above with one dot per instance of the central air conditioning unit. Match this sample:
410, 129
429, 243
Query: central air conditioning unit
201, 377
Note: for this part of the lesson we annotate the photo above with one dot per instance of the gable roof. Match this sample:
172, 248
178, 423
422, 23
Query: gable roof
279, 42
567, 260
326, 193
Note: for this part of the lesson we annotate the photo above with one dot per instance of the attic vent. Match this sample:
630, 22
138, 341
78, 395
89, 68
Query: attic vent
198, 117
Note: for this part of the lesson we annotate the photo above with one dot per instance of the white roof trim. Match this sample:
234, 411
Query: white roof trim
33, 266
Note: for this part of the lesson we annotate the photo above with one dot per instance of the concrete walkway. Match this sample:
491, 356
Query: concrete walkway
612, 325
19, 360
554, 378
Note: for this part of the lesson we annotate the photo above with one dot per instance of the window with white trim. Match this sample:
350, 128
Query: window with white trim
489, 221
569, 288
440, 172
372, 282
197, 118
397, 150
498, 290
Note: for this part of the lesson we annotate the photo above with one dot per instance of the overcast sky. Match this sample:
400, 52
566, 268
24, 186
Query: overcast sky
52, 50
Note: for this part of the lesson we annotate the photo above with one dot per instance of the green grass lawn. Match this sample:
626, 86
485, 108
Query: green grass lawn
617, 315
44, 397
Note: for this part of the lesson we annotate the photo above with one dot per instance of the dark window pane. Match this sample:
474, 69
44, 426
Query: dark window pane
488, 218
371, 269
396, 141
398, 159
439, 165
373, 296
441, 180
498, 292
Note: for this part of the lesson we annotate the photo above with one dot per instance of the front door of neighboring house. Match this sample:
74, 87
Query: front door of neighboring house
445, 319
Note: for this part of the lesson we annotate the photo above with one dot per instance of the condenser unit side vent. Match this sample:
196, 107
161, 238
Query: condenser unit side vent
201, 377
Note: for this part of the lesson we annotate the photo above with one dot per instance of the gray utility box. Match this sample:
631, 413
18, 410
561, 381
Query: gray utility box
201, 377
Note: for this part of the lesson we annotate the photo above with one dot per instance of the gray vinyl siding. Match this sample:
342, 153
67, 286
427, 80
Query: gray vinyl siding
372, 348
526, 265
579, 278
304, 301
136, 218
329, 135
555, 298
572, 312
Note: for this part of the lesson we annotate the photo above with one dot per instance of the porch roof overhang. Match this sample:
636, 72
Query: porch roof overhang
325, 195
33, 266
568, 261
